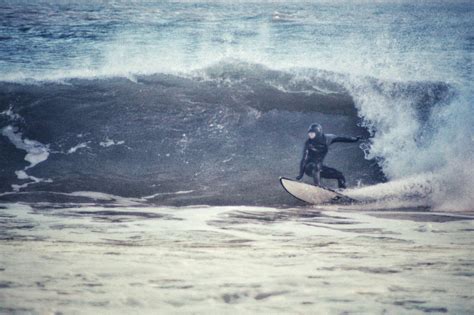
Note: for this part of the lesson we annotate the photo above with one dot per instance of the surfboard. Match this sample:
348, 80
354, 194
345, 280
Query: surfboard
313, 194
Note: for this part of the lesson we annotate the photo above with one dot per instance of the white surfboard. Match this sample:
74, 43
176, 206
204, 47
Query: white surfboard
312, 194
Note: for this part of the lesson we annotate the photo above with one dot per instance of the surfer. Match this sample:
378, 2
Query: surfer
315, 150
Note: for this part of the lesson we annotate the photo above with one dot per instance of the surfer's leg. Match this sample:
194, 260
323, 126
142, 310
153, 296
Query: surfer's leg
317, 174
329, 172
309, 169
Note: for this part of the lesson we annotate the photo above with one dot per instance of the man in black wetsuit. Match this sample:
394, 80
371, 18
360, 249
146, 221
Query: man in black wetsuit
315, 150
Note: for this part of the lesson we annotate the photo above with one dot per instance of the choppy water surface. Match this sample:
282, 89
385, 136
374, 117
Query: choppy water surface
237, 259
234, 259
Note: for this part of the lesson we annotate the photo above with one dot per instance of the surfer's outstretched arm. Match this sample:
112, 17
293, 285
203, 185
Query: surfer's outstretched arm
345, 139
304, 161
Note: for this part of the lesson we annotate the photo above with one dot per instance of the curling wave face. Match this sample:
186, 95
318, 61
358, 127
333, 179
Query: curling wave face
222, 134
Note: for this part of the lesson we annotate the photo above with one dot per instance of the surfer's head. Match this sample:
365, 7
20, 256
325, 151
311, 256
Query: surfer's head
315, 130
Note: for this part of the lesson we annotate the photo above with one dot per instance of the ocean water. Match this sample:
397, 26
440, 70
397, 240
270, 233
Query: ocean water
125, 259
149, 136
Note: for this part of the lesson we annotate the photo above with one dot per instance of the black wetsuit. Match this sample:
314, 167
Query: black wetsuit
315, 151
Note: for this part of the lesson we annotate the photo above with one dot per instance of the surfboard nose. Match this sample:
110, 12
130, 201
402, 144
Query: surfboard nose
312, 194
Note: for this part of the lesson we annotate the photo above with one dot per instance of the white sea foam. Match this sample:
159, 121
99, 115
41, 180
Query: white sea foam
118, 200
109, 142
436, 154
36, 152
180, 192
82, 145
24, 176
11, 114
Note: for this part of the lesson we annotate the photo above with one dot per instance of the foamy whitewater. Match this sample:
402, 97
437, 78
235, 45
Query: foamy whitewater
180, 116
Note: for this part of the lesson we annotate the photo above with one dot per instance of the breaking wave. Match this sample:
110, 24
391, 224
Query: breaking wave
225, 133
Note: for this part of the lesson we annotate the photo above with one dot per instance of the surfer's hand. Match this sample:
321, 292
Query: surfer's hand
359, 138
299, 177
